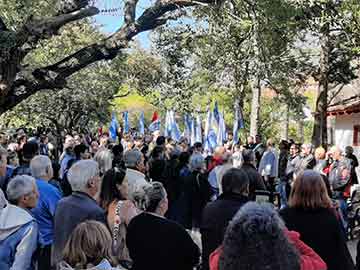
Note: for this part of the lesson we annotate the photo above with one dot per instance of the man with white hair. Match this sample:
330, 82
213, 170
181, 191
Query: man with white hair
44, 212
85, 182
18, 229
307, 159
135, 173
340, 178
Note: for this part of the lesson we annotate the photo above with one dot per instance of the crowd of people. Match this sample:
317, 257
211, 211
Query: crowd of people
148, 202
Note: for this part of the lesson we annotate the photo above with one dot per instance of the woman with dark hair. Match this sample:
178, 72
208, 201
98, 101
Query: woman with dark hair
311, 214
113, 198
157, 243
256, 240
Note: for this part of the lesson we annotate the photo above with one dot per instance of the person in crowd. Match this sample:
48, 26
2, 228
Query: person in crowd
237, 156
256, 240
349, 154
157, 163
216, 159
256, 182
217, 214
29, 150
67, 155
43, 146
283, 158
118, 154
81, 152
160, 141
184, 160
113, 199
135, 174
268, 167
3, 168
321, 162
94, 147
44, 212
216, 174
309, 260
259, 149
250, 143
198, 148
196, 192
157, 243
307, 159
88, 248
85, 181
104, 159
18, 229
311, 214
340, 179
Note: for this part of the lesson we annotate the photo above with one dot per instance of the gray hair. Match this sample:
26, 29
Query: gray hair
132, 158
40, 166
154, 194
196, 162
256, 226
104, 159
3, 201
20, 185
81, 172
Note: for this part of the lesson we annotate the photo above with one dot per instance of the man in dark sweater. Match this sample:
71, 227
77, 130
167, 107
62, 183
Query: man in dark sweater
217, 214
78, 207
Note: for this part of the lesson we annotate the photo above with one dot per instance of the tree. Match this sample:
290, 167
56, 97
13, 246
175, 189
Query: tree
39, 21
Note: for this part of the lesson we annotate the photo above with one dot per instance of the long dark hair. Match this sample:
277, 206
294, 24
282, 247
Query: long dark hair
109, 191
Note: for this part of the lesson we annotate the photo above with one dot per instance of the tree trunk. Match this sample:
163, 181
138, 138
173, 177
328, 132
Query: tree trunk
285, 124
255, 108
319, 137
301, 130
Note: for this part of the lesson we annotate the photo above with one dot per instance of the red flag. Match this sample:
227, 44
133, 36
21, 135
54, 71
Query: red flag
155, 117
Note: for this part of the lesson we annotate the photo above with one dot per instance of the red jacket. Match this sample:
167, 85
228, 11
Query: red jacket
308, 257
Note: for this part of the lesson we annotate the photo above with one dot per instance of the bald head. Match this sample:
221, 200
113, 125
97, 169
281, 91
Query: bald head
219, 151
336, 152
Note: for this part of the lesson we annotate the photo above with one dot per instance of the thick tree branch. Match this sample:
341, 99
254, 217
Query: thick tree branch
33, 31
130, 11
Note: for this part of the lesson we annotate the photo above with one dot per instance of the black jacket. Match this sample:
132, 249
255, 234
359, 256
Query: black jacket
70, 212
321, 231
215, 219
256, 181
160, 244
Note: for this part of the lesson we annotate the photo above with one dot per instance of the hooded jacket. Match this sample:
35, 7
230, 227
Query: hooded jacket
18, 238
103, 265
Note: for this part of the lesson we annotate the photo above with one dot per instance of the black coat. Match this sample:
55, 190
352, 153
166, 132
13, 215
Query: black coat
256, 181
160, 244
215, 219
70, 212
321, 231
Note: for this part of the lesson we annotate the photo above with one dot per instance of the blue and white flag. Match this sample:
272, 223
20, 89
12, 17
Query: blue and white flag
238, 123
167, 131
141, 124
221, 134
193, 132
114, 126
126, 122
198, 130
187, 128
155, 122
175, 131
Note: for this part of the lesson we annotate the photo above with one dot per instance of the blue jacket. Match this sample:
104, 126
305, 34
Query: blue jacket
18, 238
44, 212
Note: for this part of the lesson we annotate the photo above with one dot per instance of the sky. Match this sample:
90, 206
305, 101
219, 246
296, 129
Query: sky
109, 23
